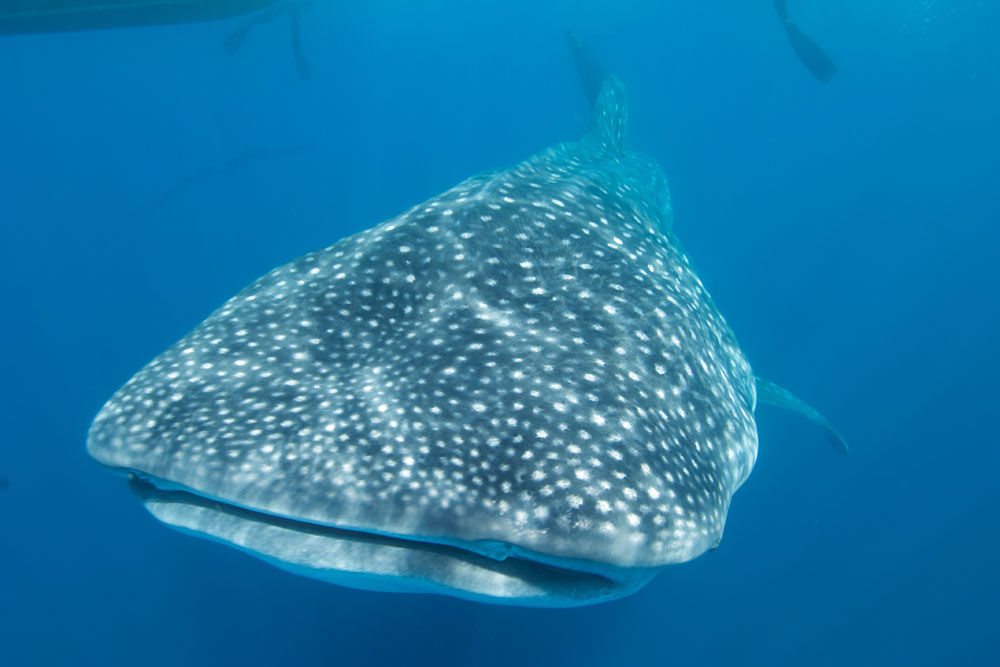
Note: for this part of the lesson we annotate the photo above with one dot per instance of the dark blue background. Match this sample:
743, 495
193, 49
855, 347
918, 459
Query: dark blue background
849, 233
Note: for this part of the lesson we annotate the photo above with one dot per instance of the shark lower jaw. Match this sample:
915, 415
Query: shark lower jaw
372, 561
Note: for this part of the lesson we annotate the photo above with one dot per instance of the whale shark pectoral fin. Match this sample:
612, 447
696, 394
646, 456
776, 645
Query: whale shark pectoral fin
768, 392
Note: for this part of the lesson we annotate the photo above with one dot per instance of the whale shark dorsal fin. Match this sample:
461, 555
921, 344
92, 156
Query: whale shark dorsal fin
606, 94
768, 392
609, 122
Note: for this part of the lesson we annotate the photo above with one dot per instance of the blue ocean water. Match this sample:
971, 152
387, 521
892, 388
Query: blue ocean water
848, 231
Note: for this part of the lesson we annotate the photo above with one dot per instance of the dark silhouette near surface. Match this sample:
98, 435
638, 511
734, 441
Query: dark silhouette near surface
808, 51
35, 16
43, 16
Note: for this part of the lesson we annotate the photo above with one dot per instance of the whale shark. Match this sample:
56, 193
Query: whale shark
517, 392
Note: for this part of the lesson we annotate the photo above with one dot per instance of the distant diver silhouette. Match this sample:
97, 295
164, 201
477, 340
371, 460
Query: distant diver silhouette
293, 9
182, 187
808, 51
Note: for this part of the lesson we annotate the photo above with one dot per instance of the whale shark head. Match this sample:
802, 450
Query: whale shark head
516, 392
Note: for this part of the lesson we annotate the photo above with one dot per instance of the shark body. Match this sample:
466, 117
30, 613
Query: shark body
517, 392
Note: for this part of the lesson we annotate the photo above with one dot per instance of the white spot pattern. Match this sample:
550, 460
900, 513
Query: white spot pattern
527, 358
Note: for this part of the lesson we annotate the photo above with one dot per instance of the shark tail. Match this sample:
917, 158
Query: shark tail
606, 94
768, 392
592, 73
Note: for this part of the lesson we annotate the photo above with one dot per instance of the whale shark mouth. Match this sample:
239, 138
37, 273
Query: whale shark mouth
372, 561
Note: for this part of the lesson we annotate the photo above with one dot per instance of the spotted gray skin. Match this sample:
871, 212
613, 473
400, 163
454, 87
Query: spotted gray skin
516, 392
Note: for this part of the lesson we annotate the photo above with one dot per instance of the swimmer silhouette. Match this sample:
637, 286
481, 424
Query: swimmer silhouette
293, 9
808, 51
